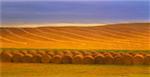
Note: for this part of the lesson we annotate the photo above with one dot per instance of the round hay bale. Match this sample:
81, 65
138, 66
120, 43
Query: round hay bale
108, 59
37, 58
46, 58
15, 52
83, 52
127, 59
51, 53
66, 51
33, 52
57, 59
107, 53
94, 54
99, 59
28, 58
118, 59
88, 59
58, 53
86, 53
67, 59
24, 52
6, 57
122, 53
142, 53
77, 59
138, 59
17, 57
147, 59
114, 54
101, 52
41, 52
132, 54
76, 53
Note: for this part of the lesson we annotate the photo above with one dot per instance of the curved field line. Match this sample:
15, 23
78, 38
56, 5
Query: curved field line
56, 35
106, 31
56, 40
12, 41
75, 35
134, 33
109, 32
27, 38
100, 41
62, 35
81, 31
35, 35
9, 36
50, 35
4, 40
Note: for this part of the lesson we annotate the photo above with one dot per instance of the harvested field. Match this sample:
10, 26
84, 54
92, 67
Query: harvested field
71, 70
129, 36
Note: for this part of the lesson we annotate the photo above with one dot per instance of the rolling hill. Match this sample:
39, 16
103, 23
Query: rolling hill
130, 36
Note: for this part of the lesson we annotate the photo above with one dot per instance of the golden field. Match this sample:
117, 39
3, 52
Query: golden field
71, 70
129, 36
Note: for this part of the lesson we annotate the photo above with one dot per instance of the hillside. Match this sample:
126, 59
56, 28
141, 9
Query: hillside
116, 36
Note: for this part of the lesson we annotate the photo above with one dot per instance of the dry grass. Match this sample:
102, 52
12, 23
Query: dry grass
67, 70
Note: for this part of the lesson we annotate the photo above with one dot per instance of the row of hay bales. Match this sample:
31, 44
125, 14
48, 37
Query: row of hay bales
74, 57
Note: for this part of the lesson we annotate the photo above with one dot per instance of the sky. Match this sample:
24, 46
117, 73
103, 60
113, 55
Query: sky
74, 0
83, 11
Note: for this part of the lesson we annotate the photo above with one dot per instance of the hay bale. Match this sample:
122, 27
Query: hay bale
108, 59
37, 58
142, 53
138, 59
41, 52
58, 53
6, 56
107, 53
67, 59
24, 52
66, 51
122, 53
118, 59
28, 58
88, 59
127, 59
33, 52
99, 59
77, 59
114, 54
14, 52
17, 57
94, 54
147, 59
51, 53
46, 58
76, 53
86, 53
57, 59
132, 54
